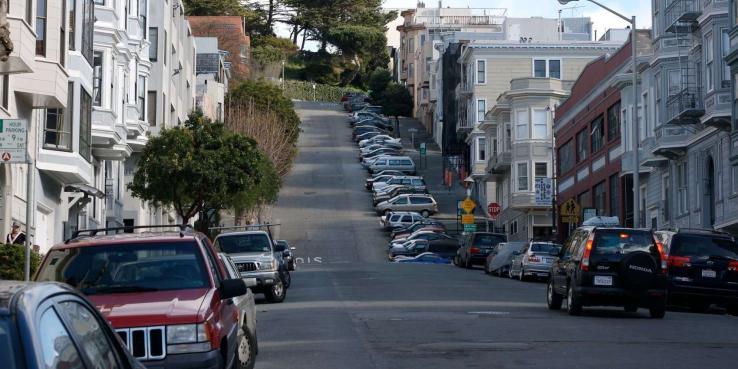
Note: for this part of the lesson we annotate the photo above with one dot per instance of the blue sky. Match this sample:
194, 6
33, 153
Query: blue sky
602, 19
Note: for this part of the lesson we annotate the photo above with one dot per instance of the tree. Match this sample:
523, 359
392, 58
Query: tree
269, 98
215, 7
378, 81
397, 101
198, 167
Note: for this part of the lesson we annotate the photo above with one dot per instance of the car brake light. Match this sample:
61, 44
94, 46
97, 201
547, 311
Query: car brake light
662, 254
679, 261
733, 266
474, 250
587, 250
534, 259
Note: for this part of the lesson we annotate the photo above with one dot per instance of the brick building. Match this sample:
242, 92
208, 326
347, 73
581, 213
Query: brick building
232, 37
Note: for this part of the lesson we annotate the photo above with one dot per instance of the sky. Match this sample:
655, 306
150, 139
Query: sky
602, 19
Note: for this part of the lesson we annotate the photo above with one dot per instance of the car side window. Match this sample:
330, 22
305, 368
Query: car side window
393, 162
57, 348
213, 266
568, 245
406, 162
417, 182
401, 201
406, 219
95, 345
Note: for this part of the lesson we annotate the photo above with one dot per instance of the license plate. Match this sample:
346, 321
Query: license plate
707, 273
603, 280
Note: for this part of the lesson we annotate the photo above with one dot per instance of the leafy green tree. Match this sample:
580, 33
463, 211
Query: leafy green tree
378, 81
396, 102
214, 7
197, 167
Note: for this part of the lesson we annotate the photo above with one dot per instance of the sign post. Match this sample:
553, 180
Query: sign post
423, 156
14, 150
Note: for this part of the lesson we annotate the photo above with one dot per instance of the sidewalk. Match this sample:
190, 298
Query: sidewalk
432, 170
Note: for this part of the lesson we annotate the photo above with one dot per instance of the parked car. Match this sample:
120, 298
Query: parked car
401, 163
375, 122
534, 260
359, 131
398, 219
422, 235
380, 139
474, 247
423, 223
377, 152
410, 181
703, 269
379, 177
394, 191
444, 247
500, 258
51, 323
253, 254
376, 109
365, 135
381, 144
369, 160
601, 265
248, 344
423, 204
159, 290
284, 247
424, 258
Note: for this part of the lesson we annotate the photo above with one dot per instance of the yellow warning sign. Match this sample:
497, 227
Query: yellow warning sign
467, 219
468, 205
571, 208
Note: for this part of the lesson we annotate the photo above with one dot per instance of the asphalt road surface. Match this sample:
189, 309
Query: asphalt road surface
349, 308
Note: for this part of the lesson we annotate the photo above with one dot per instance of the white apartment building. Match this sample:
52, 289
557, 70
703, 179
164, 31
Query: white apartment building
211, 78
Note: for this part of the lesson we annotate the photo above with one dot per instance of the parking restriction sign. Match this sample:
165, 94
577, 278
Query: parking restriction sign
13, 140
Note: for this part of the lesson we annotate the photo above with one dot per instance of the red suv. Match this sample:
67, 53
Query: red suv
166, 294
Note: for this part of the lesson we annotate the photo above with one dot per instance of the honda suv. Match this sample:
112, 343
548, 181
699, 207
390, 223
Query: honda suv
703, 269
609, 266
166, 294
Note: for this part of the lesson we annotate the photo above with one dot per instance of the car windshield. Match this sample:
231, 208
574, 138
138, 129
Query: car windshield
544, 248
621, 241
703, 246
243, 243
8, 343
487, 240
121, 268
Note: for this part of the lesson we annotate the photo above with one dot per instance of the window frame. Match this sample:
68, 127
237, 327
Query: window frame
597, 142
518, 124
477, 71
547, 64
482, 111
42, 27
534, 124
154, 44
581, 141
522, 179
481, 149
97, 77
85, 125
613, 130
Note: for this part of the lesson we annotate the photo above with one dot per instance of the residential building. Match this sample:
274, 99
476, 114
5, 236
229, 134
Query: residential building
232, 38
506, 96
589, 137
211, 78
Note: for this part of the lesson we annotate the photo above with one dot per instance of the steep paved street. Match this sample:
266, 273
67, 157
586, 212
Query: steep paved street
349, 308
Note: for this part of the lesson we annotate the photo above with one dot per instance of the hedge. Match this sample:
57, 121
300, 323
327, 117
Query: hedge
12, 262
303, 90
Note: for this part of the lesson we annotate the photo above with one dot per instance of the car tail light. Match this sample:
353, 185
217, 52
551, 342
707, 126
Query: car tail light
679, 262
587, 250
733, 266
474, 250
534, 259
664, 263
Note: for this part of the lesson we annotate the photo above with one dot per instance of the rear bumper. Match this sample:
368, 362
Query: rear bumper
480, 259
198, 360
599, 296
536, 269
684, 293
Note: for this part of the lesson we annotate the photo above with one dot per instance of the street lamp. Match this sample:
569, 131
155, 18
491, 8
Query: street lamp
634, 113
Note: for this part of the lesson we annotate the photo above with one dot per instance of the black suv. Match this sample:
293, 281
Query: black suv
607, 266
475, 247
703, 269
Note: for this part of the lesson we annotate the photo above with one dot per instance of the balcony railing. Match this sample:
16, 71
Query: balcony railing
681, 15
685, 107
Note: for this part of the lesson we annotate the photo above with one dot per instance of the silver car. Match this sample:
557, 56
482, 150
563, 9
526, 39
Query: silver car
415, 182
403, 163
421, 203
533, 261
398, 219
248, 346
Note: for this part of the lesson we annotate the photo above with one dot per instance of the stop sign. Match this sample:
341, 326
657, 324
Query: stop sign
493, 209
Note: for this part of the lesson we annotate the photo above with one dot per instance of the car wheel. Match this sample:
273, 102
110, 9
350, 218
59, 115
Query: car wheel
425, 213
553, 299
486, 268
468, 264
630, 308
276, 293
287, 279
456, 261
657, 311
246, 352
573, 306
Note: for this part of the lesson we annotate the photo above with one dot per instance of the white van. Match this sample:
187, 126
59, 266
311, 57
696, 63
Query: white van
401, 163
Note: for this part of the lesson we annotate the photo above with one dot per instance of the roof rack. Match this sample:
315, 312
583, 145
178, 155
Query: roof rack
705, 230
266, 225
183, 229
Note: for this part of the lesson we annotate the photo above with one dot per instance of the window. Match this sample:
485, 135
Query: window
57, 130
154, 43
99, 2
411, 70
63, 34
422, 41
674, 82
481, 109
645, 118
141, 97
72, 9
540, 124
613, 122
734, 180
166, 45
584, 199
481, 72
481, 149
682, 176
93, 341
725, 50
142, 8
151, 108
97, 68
41, 27
709, 56
5, 90
598, 134
665, 189
85, 125
614, 195
657, 95
566, 157
88, 26
411, 45
541, 170
582, 145
523, 177
521, 124
56, 345
600, 198
550, 68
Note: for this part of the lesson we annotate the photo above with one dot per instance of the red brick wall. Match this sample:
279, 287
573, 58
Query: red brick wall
231, 37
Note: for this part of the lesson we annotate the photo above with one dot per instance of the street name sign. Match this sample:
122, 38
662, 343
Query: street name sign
13, 141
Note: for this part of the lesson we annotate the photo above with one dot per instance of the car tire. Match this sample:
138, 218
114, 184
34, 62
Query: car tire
246, 350
387, 211
658, 311
276, 293
553, 299
468, 264
456, 261
425, 213
286, 279
573, 306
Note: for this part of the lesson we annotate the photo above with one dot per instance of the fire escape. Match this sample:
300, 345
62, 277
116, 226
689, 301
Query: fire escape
685, 104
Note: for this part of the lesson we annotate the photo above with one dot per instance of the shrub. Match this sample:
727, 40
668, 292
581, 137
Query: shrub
301, 90
12, 262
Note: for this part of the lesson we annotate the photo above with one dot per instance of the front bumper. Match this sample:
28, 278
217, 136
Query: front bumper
197, 360
263, 279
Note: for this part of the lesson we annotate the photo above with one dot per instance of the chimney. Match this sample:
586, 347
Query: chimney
440, 4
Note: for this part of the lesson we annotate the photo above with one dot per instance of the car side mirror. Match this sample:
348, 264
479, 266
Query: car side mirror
230, 288
250, 282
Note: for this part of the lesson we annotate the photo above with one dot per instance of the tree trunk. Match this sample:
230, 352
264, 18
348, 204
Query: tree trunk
270, 15
304, 37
